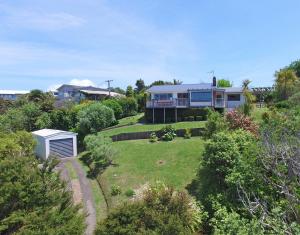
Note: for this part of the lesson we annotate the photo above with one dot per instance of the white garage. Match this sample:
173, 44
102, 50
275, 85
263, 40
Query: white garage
57, 143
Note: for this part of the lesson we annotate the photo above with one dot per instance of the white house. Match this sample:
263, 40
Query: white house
11, 94
55, 143
168, 102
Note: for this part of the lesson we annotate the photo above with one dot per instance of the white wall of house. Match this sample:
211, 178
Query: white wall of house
234, 104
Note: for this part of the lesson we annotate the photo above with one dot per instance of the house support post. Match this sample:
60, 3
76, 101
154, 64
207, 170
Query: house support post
175, 114
153, 115
164, 115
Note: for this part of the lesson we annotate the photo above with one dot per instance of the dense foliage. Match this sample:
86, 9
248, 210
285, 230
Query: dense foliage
33, 200
160, 210
224, 83
115, 106
94, 118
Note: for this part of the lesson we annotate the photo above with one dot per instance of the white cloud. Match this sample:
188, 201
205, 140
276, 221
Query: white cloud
84, 82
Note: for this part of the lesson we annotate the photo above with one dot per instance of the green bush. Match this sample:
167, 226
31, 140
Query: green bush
115, 106
94, 118
215, 123
191, 118
187, 133
115, 190
129, 106
199, 118
129, 193
168, 133
153, 137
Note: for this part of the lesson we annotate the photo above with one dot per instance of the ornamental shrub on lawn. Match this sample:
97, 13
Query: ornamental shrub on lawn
153, 137
238, 120
168, 133
94, 118
187, 133
115, 106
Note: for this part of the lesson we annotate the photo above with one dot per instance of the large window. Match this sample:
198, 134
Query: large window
233, 97
201, 96
163, 96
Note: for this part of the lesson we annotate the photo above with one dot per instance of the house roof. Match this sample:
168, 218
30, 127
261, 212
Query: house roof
51, 133
179, 88
91, 88
13, 92
233, 89
106, 92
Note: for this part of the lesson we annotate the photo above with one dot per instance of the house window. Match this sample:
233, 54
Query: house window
182, 95
163, 96
234, 97
201, 96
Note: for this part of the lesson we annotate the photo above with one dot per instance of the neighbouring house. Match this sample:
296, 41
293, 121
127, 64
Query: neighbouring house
11, 94
56, 143
78, 93
172, 103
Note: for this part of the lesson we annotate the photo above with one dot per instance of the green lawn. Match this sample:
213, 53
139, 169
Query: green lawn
130, 120
139, 162
152, 127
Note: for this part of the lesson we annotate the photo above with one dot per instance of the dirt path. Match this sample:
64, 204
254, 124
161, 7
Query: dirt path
84, 190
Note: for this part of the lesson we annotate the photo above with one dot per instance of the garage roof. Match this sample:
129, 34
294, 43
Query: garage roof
52, 133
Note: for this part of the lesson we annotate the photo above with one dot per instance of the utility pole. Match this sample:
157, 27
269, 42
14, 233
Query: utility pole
108, 85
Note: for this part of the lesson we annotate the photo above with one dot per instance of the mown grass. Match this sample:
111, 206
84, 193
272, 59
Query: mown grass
152, 127
130, 120
140, 162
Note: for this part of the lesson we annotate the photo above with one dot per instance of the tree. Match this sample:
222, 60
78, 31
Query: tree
140, 85
285, 82
160, 210
295, 66
247, 107
33, 199
129, 91
215, 123
94, 118
129, 106
177, 82
118, 90
224, 83
5, 105
115, 106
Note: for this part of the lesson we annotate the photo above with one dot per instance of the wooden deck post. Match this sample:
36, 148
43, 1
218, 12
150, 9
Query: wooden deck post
175, 114
153, 115
164, 115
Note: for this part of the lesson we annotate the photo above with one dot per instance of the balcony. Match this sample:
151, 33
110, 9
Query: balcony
182, 102
219, 103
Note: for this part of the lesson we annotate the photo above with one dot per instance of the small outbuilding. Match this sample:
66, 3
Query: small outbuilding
58, 143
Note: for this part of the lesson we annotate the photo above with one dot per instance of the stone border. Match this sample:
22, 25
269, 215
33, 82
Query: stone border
146, 134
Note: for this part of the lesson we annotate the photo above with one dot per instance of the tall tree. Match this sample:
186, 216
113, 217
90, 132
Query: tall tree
285, 82
249, 97
140, 85
129, 91
224, 83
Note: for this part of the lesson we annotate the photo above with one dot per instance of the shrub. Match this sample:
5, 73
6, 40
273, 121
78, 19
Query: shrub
265, 117
238, 120
187, 133
153, 137
190, 118
161, 210
199, 118
115, 190
214, 124
115, 106
129, 106
129, 193
94, 118
168, 133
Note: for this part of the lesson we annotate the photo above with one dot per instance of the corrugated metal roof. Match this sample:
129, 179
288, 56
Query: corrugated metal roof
52, 132
179, 88
233, 89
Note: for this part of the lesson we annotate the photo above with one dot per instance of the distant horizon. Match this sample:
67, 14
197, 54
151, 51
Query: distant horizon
44, 44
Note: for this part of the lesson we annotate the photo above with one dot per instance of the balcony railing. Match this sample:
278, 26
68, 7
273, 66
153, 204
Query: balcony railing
181, 102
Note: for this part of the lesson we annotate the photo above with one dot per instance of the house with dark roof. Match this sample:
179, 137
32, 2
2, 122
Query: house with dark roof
77, 93
172, 103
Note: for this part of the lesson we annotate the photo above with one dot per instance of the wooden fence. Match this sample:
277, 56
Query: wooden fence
146, 134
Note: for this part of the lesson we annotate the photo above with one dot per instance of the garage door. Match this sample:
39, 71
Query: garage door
62, 147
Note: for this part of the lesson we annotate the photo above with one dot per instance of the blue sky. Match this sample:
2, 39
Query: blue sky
46, 43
